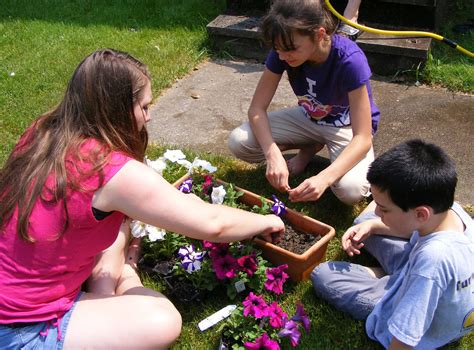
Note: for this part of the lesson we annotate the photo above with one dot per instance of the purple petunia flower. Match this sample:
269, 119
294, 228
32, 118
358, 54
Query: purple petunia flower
275, 278
186, 186
190, 259
255, 305
301, 316
262, 343
291, 330
276, 315
278, 207
225, 267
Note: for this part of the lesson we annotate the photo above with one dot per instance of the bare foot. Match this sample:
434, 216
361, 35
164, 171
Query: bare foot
298, 163
133, 252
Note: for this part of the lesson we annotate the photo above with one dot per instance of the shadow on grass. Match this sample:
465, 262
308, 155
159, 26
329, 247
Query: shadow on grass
327, 209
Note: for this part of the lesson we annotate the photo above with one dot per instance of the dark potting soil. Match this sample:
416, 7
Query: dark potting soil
177, 288
295, 240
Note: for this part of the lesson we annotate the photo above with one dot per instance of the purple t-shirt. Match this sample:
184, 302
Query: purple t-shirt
322, 90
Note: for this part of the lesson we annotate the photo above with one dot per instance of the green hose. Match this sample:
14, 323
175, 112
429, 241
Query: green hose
447, 41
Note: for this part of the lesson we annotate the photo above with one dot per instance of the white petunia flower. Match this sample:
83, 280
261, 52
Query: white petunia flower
138, 229
184, 162
204, 164
174, 155
218, 195
155, 233
158, 164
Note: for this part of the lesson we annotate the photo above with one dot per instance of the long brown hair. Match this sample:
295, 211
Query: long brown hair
98, 104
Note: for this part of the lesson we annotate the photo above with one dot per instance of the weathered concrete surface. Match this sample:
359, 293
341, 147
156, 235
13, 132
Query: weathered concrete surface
199, 111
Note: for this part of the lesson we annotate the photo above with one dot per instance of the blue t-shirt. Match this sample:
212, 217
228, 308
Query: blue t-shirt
322, 90
432, 301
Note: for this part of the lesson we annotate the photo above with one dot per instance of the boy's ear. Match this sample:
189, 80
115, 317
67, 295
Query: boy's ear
423, 213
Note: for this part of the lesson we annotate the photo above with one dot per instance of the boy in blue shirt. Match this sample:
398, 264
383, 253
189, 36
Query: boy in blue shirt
422, 296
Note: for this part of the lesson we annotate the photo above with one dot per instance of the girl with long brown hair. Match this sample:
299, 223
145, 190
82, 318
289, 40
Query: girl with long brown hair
65, 190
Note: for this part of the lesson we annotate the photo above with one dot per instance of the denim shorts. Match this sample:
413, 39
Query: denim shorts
41, 335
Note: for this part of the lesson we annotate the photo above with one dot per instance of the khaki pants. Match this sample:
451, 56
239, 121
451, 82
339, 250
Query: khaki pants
293, 130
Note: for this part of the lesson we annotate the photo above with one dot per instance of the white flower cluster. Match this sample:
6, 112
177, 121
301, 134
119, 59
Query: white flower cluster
177, 156
140, 229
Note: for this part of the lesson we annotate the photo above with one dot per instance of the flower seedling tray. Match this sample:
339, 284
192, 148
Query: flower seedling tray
299, 265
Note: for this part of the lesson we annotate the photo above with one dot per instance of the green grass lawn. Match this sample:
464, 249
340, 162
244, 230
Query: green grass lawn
41, 43
448, 67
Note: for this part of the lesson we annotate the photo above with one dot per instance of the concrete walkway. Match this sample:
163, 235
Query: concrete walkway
199, 111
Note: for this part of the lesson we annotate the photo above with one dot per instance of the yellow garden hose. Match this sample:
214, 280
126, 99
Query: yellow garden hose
447, 41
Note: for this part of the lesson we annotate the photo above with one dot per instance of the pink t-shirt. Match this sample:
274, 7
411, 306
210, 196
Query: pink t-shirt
39, 281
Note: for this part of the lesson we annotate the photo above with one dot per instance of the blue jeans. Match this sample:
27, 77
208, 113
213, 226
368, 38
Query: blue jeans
41, 335
350, 287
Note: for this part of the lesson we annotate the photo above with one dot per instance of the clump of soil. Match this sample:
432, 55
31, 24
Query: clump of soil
297, 241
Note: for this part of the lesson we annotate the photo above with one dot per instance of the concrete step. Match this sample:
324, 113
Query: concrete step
240, 36
388, 55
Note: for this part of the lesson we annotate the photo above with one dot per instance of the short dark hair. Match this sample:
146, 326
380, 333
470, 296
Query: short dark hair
415, 173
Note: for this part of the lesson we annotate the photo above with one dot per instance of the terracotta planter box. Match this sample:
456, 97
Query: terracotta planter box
299, 265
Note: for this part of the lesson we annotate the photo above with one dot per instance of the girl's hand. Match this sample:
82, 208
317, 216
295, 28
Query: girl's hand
352, 240
309, 190
276, 230
277, 173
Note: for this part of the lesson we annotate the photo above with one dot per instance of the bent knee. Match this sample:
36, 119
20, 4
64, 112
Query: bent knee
237, 139
351, 190
243, 145
161, 324
168, 325
320, 277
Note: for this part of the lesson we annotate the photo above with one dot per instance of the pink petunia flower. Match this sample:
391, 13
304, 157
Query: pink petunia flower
275, 278
247, 264
207, 244
207, 184
225, 267
219, 250
291, 330
276, 315
262, 343
301, 316
255, 305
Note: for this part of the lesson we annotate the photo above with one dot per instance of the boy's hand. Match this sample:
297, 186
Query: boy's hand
352, 240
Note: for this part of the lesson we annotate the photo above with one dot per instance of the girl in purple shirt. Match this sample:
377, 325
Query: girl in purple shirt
329, 75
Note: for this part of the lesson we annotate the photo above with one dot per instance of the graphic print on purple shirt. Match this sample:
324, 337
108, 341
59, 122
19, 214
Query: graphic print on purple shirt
324, 114
322, 90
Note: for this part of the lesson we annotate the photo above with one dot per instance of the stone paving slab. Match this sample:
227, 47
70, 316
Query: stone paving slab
200, 110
